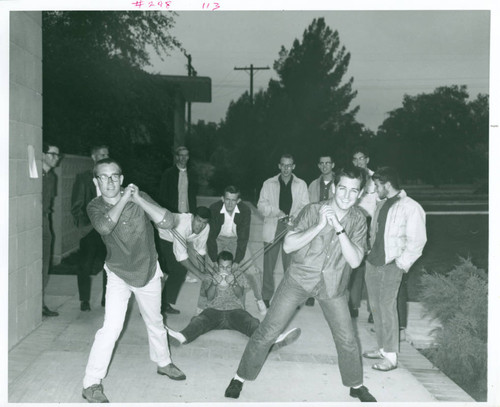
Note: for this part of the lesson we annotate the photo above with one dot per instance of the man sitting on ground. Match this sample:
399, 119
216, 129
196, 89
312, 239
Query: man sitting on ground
224, 291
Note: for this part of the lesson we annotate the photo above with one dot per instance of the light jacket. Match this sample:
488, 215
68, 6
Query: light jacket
405, 233
269, 200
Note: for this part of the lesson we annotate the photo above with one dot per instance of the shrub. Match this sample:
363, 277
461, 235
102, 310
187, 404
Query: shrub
459, 300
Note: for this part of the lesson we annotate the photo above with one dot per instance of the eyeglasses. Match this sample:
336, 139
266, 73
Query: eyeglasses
325, 163
53, 154
359, 158
113, 177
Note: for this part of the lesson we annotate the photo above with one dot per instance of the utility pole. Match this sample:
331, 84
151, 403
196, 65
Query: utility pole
252, 69
191, 72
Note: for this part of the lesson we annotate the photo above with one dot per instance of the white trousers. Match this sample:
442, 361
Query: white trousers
117, 296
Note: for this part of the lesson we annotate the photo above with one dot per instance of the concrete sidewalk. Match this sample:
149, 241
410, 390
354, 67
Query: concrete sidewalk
48, 366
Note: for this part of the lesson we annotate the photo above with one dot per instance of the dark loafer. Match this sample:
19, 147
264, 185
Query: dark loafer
171, 371
234, 389
362, 394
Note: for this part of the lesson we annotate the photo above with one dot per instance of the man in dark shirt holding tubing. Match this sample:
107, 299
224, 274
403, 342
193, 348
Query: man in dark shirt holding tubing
327, 240
123, 218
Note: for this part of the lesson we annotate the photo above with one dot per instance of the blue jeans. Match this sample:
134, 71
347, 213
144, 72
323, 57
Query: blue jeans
288, 296
236, 319
382, 283
270, 257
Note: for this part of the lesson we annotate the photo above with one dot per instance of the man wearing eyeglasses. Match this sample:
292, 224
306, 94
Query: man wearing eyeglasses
92, 249
50, 158
123, 219
280, 201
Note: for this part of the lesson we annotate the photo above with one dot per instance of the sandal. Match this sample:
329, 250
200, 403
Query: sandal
384, 366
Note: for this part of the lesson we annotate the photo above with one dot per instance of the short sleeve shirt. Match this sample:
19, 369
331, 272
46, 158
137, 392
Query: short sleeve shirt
225, 299
184, 236
322, 260
130, 246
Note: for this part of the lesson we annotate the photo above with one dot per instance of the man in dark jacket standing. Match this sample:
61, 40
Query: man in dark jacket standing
230, 231
92, 248
177, 185
177, 194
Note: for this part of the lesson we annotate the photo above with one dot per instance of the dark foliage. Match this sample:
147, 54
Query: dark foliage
460, 301
96, 93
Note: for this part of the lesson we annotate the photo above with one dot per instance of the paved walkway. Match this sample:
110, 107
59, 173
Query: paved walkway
48, 365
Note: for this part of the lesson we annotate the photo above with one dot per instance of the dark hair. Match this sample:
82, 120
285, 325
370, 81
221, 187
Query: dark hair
326, 155
46, 145
387, 174
289, 156
352, 172
177, 150
360, 149
95, 149
203, 212
225, 255
231, 189
106, 161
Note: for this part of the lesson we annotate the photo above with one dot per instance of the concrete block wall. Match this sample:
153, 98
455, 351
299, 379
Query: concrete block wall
25, 193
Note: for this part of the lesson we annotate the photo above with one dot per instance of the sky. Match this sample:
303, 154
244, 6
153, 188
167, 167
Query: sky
393, 53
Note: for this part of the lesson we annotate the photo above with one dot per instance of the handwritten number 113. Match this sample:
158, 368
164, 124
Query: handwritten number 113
207, 6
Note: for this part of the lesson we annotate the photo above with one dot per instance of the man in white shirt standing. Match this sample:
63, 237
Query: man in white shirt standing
190, 232
230, 231
281, 199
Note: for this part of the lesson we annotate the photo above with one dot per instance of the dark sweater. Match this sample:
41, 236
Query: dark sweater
242, 222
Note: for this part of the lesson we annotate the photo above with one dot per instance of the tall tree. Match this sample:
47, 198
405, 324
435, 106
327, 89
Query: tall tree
96, 93
306, 112
432, 135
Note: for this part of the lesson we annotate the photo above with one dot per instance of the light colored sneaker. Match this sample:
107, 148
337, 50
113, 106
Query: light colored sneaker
262, 307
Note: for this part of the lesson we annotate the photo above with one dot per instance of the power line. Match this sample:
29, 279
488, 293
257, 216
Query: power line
251, 69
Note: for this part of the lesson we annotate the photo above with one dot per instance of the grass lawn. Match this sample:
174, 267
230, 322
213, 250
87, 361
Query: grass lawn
448, 237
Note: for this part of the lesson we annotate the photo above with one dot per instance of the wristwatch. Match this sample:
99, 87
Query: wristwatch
339, 233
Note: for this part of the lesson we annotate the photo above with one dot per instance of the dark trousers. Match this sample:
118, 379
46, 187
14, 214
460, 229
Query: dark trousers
210, 319
46, 252
383, 284
92, 254
356, 284
289, 295
402, 302
270, 258
176, 274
